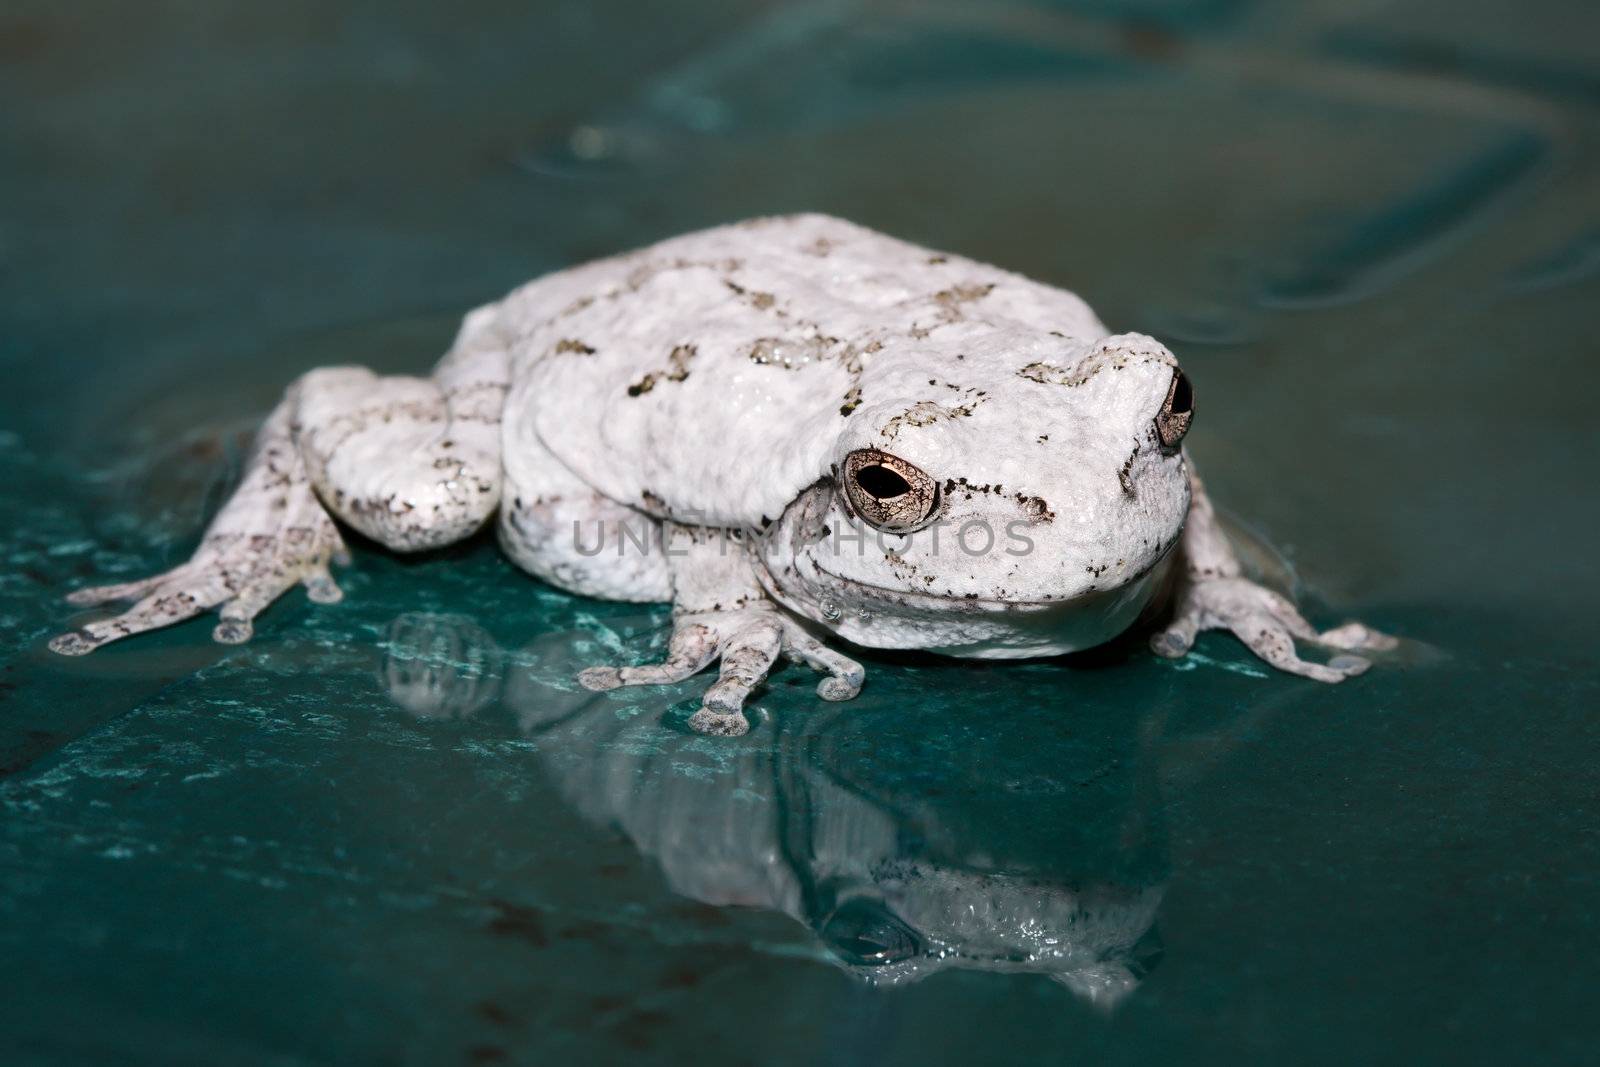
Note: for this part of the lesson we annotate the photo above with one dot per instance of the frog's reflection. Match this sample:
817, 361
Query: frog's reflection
440, 666
907, 846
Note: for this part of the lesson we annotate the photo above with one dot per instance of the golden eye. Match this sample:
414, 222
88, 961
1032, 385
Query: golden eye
887, 492
1177, 411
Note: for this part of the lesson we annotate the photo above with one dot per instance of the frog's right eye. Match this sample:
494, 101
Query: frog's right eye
888, 493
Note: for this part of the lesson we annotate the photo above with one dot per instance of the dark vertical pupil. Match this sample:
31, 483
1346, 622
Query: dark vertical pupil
1182, 395
881, 482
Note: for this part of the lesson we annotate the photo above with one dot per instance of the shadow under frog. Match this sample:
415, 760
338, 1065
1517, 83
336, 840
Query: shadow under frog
906, 847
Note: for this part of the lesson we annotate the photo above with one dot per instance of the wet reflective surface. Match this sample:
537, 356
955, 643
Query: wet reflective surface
394, 830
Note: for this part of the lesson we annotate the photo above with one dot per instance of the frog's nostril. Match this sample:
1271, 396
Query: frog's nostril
1177, 411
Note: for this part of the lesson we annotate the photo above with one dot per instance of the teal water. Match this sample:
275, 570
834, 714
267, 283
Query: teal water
392, 830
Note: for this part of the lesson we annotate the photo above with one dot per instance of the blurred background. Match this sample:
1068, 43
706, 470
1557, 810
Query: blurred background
1371, 231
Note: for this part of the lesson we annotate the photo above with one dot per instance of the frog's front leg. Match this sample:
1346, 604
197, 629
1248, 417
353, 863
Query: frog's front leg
1212, 594
721, 613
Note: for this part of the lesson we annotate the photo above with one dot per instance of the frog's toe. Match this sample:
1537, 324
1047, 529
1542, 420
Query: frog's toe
320, 586
691, 648
836, 687
238, 574
104, 594
600, 679
1350, 637
1275, 645
233, 632
236, 619
1176, 640
719, 723
746, 644
1350, 665
73, 644
1354, 636
844, 675
167, 604
747, 656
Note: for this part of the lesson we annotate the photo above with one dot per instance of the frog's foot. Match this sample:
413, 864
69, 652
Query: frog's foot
235, 572
1269, 624
748, 642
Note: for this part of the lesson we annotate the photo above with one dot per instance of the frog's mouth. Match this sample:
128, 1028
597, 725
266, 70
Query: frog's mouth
968, 627
844, 587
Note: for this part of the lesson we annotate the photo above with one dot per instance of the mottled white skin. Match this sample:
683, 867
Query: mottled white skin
671, 425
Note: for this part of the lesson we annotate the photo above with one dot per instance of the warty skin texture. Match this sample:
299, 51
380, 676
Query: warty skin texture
791, 428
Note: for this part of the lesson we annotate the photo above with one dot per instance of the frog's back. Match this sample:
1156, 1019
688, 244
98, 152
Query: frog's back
707, 377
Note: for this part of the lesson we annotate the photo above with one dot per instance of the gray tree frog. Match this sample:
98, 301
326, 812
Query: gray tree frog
788, 427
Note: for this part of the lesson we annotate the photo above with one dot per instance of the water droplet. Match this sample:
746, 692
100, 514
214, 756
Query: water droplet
830, 610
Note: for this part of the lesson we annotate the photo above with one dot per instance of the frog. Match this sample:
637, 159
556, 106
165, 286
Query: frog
800, 433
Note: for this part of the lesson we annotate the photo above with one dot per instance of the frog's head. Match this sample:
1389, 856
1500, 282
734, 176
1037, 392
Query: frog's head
987, 503
910, 919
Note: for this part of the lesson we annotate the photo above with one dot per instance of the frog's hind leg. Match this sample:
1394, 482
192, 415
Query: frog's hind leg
412, 463
270, 535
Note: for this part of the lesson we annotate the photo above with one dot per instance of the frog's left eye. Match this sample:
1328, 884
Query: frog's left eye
887, 492
1177, 411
